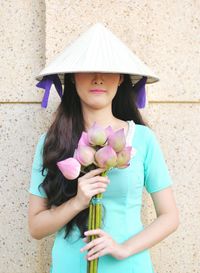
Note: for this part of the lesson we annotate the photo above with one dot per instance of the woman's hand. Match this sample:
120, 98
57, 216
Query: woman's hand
102, 246
89, 185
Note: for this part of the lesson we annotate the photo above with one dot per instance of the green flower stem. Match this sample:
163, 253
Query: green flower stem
90, 217
95, 219
97, 213
95, 264
89, 228
92, 237
96, 226
100, 214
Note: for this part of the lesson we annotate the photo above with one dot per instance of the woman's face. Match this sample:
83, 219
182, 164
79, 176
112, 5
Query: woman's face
96, 89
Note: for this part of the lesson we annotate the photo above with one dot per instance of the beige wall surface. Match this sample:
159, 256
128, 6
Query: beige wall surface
165, 35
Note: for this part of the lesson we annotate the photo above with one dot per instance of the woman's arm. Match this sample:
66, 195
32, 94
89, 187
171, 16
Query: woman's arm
43, 222
166, 222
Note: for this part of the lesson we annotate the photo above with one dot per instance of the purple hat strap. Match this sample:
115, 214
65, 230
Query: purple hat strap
46, 84
48, 80
141, 92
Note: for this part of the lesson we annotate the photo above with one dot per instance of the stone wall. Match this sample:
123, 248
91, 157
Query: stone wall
165, 35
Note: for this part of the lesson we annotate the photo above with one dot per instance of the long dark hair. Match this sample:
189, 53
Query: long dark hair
62, 138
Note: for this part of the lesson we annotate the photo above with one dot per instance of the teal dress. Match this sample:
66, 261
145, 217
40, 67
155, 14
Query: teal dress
122, 201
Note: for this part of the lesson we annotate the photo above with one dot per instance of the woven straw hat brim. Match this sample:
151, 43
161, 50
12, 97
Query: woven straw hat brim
98, 50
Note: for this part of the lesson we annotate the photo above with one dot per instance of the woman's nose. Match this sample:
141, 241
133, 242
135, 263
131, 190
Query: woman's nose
98, 78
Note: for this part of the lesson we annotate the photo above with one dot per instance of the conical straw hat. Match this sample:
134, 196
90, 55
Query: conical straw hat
98, 50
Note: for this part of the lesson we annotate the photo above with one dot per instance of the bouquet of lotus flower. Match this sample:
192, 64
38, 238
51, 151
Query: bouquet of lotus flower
101, 148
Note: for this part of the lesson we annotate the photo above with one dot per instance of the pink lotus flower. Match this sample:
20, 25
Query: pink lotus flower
97, 135
117, 140
85, 155
70, 168
84, 139
123, 157
109, 131
106, 157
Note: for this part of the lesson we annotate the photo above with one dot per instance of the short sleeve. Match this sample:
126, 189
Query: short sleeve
36, 174
156, 173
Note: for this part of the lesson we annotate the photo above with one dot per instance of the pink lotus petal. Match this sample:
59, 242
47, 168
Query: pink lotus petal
124, 156
70, 168
117, 140
85, 155
106, 157
84, 139
97, 135
109, 131
123, 166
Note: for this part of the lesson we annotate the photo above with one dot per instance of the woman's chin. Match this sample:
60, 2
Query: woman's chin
97, 104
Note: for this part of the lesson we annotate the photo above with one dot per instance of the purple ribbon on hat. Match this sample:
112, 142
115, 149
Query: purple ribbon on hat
141, 92
48, 80
46, 84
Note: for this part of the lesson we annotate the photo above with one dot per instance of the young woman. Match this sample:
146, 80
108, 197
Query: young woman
60, 206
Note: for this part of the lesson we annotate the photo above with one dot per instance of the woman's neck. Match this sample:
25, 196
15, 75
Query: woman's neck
103, 122
104, 118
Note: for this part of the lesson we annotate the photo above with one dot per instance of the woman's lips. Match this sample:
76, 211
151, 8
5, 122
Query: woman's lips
98, 91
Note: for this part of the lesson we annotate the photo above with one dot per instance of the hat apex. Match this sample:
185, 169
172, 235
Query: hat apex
98, 50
